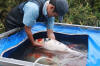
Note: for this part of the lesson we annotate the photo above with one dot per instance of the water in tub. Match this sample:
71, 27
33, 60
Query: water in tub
58, 53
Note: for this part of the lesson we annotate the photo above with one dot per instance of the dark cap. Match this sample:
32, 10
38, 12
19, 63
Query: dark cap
61, 7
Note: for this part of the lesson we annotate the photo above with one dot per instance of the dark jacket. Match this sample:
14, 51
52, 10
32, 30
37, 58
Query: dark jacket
15, 16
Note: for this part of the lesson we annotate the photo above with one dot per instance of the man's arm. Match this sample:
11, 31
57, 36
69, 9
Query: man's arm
30, 36
31, 12
50, 25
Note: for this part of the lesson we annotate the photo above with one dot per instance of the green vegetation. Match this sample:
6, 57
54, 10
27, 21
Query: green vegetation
82, 12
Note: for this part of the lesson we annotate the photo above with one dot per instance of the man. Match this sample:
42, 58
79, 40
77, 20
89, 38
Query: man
28, 13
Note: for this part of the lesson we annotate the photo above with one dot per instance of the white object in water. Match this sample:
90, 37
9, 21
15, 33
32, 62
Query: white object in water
54, 45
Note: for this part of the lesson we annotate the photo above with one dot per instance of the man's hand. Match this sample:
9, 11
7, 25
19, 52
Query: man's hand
37, 45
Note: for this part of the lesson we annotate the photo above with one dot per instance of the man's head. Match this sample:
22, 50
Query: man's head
57, 8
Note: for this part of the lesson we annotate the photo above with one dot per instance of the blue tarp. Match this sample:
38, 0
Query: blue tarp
93, 39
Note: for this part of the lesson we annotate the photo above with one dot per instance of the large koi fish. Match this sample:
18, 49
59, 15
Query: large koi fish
54, 45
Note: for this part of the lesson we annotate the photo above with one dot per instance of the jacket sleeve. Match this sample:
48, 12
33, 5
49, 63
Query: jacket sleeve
31, 13
50, 23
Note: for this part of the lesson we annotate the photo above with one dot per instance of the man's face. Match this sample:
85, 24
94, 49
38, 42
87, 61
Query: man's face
50, 11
